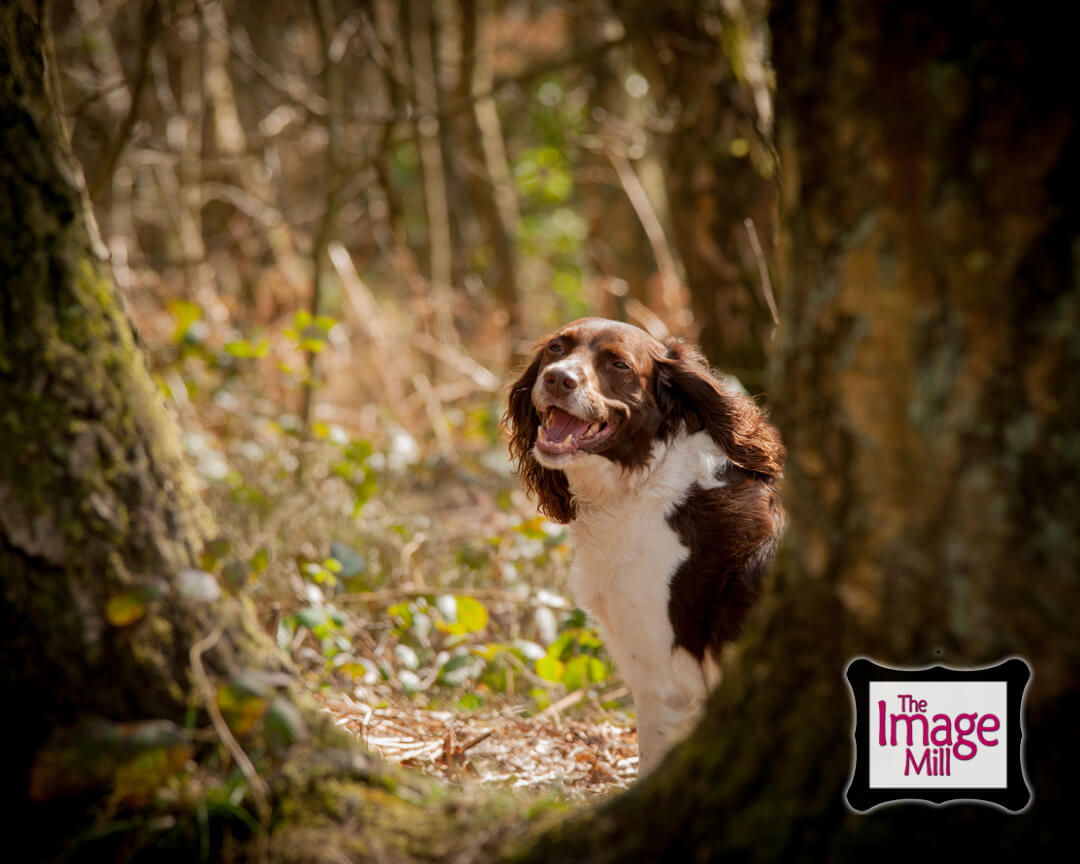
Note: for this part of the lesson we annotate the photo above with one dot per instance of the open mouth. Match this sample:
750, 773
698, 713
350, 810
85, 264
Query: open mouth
561, 433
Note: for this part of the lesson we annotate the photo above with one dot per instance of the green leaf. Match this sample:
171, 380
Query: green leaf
311, 617
576, 674
561, 645
244, 349
471, 614
125, 609
459, 669
598, 670
214, 551
531, 528
286, 629
583, 670
129, 606
470, 702
402, 611
550, 669
260, 559
236, 574
185, 314
352, 564
589, 639
283, 726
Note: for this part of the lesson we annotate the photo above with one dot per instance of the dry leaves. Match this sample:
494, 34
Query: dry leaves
583, 758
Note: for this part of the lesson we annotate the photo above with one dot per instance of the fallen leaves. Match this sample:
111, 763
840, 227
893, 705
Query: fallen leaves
583, 758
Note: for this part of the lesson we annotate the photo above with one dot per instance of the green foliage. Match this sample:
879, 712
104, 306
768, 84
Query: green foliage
354, 469
543, 174
311, 334
575, 658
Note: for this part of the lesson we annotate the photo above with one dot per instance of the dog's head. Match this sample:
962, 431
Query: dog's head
608, 389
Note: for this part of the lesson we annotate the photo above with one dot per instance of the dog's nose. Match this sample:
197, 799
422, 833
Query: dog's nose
559, 381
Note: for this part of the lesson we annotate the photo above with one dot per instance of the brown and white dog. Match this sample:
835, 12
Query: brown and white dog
668, 481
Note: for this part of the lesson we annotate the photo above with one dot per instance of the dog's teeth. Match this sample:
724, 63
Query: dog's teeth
593, 429
568, 439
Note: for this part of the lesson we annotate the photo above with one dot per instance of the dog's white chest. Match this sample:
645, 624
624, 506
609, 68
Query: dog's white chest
624, 559
625, 555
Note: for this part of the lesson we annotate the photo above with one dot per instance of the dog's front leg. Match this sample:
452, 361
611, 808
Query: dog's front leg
668, 706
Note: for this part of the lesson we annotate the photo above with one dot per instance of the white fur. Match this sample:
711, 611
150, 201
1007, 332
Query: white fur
578, 401
626, 554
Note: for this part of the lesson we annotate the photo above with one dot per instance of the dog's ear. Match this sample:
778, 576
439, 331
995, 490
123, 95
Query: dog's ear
688, 394
521, 421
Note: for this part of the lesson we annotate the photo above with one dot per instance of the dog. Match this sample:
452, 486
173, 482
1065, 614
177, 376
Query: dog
668, 480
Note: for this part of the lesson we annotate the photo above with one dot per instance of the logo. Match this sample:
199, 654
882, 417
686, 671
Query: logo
938, 734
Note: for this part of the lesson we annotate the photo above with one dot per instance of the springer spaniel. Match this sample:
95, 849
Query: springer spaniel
669, 483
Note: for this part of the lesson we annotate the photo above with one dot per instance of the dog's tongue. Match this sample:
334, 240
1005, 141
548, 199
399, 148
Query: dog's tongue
563, 424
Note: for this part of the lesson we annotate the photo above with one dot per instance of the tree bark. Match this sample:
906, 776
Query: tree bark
495, 191
105, 649
926, 386
94, 499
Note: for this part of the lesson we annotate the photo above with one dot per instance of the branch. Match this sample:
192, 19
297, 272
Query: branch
107, 166
259, 791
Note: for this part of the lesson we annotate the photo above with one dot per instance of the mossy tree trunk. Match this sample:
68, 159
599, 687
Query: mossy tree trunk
109, 637
94, 500
927, 386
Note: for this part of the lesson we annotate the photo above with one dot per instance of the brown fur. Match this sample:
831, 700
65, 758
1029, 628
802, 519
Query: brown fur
521, 420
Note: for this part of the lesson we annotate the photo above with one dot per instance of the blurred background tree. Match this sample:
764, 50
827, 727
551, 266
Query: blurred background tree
462, 170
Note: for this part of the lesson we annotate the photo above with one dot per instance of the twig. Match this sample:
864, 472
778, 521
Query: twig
436, 416
484, 378
323, 12
259, 790
570, 699
359, 296
763, 269
483, 736
407, 551
639, 200
649, 321
293, 90
107, 166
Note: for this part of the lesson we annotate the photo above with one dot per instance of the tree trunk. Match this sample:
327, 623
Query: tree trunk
495, 191
104, 620
706, 71
927, 388
94, 499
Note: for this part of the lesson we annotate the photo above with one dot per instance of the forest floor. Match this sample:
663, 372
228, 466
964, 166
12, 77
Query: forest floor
578, 758
396, 560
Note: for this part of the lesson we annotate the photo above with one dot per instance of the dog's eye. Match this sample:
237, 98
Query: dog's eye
621, 364
555, 348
